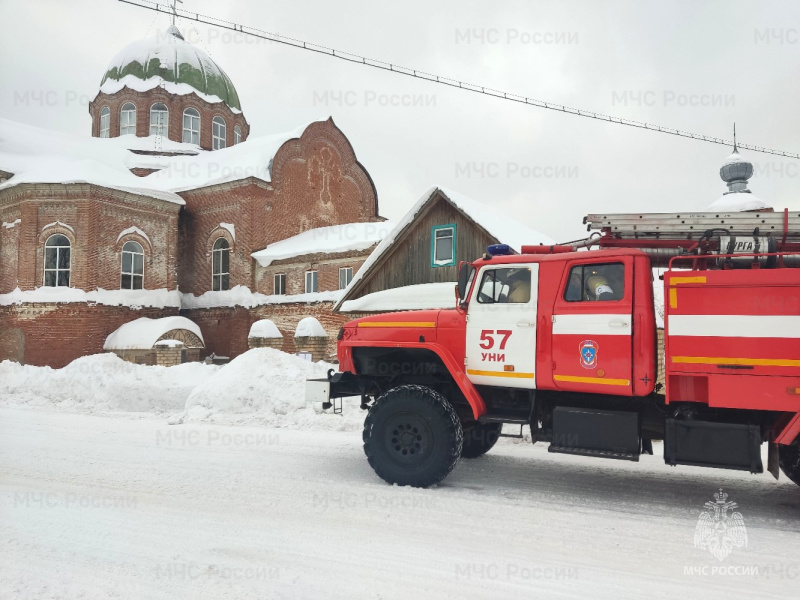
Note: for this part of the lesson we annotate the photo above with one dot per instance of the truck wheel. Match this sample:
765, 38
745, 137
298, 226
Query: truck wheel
412, 436
790, 462
479, 439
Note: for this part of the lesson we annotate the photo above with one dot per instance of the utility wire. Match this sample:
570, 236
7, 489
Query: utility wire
448, 81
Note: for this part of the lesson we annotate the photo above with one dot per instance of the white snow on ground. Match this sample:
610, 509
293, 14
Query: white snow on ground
133, 298
330, 240
104, 505
100, 507
241, 295
144, 332
37, 155
411, 297
101, 383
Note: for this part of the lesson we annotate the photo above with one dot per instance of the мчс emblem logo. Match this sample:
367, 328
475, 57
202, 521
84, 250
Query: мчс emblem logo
717, 531
588, 352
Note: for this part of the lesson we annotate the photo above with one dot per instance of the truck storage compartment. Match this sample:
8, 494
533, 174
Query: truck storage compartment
592, 432
709, 444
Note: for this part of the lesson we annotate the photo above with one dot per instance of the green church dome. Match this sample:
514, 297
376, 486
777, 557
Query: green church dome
167, 60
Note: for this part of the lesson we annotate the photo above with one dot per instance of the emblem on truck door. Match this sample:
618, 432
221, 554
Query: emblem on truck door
588, 351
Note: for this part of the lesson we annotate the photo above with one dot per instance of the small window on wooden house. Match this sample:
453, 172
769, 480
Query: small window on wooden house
443, 246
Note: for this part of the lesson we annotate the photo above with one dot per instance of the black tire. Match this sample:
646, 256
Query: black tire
479, 439
412, 436
790, 462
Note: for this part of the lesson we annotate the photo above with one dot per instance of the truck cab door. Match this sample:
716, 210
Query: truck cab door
592, 327
501, 326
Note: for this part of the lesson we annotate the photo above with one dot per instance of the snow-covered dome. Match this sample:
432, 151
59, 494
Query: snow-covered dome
168, 60
735, 172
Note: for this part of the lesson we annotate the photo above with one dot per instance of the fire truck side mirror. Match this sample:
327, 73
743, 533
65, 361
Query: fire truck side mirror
464, 272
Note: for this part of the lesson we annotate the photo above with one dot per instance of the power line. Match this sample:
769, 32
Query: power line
171, 10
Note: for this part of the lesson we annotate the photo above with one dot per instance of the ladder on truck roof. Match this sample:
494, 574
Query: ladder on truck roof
665, 235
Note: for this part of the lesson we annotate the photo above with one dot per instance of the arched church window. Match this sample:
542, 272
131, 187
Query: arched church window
105, 122
132, 277
218, 133
127, 119
159, 119
57, 261
220, 269
191, 126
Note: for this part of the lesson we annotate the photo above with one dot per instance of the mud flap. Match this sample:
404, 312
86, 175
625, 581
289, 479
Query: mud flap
773, 455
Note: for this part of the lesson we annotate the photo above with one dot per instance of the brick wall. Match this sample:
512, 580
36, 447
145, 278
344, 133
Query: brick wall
176, 105
56, 334
295, 270
92, 218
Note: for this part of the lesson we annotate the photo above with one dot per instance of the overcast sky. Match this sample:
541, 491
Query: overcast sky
696, 66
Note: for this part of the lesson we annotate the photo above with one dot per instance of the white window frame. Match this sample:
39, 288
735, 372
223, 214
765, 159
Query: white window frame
105, 122
132, 273
219, 132
314, 276
279, 284
193, 130
159, 128
237, 135
57, 270
127, 126
451, 240
220, 274
348, 275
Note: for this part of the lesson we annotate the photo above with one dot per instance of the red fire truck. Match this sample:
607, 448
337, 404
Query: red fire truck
567, 340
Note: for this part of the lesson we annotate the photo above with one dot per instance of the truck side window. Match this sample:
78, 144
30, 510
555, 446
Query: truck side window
509, 286
596, 283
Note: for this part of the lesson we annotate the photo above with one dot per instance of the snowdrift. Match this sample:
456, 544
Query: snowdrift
266, 386
101, 383
262, 386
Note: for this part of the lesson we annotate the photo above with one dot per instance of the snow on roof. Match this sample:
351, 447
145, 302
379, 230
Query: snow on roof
161, 298
411, 297
504, 228
310, 327
251, 158
738, 202
143, 333
327, 240
264, 329
241, 295
167, 60
37, 155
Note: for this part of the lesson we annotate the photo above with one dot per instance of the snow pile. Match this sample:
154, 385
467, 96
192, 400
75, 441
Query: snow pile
102, 383
266, 386
37, 155
264, 329
112, 86
251, 158
412, 297
310, 327
161, 298
144, 332
241, 295
328, 240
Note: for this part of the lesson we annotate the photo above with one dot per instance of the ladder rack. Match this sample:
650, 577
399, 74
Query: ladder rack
784, 225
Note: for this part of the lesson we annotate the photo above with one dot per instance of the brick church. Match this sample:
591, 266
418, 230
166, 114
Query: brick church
172, 209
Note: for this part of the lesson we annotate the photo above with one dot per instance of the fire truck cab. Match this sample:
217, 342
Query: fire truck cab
570, 344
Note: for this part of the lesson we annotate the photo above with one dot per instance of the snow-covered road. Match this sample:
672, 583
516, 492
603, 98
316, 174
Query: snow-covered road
121, 507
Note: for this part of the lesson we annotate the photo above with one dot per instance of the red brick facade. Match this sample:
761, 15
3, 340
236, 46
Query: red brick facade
176, 105
316, 181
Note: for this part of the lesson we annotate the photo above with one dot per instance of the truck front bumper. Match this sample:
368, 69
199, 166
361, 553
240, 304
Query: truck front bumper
322, 393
